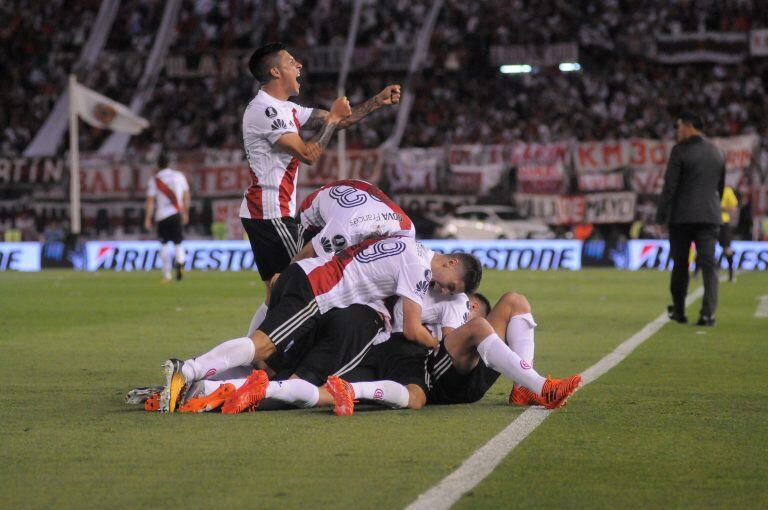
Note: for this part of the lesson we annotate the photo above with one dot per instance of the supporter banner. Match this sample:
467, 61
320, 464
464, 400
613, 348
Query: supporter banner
513, 255
642, 153
476, 166
438, 204
648, 182
227, 212
414, 170
535, 55
524, 153
593, 208
363, 164
687, 47
758, 42
541, 179
145, 255
613, 181
654, 254
31, 171
20, 256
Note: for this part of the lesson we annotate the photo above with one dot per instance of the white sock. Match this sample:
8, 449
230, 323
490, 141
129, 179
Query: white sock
181, 255
388, 393
520, 336
498, 356
211, 386
224, 356
240, 372
166, 261
297, 392
258, 318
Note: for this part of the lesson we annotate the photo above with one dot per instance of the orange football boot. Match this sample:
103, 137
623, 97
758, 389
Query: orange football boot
343, 395
247, 397
555, 392
209, 403
522, 396
152, 403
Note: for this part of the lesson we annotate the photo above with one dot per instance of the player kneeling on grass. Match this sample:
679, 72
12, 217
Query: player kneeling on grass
367, 272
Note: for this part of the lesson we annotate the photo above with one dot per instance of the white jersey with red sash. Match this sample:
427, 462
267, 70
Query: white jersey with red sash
370, 271
344, 213
168, 187
272, 193
438, 311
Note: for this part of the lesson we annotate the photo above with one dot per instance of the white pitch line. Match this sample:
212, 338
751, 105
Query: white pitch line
482, 463
762, 307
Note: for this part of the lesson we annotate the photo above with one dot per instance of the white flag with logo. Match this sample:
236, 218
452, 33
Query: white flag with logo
102, 112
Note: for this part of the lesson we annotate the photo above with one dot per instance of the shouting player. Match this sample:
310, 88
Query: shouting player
272, 127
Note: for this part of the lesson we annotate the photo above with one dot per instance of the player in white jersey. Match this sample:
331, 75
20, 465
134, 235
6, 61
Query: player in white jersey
167, 202
364, 273
274, 148
344, 213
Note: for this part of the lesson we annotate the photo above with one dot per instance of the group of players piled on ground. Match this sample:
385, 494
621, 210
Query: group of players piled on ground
356, 309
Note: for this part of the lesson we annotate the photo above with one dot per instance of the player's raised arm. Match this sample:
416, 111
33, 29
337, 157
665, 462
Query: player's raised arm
388, 96
309, 152
413, 329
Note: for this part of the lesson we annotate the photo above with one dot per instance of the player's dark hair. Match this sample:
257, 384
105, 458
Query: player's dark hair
162, 160
484, 302
263, 60
473, 271
690, 118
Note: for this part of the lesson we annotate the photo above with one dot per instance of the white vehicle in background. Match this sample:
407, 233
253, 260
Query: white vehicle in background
491, 222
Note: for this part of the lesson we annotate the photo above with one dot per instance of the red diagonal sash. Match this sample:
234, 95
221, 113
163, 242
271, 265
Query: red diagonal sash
163, 187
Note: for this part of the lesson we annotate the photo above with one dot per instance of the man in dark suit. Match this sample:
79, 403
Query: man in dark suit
690, 205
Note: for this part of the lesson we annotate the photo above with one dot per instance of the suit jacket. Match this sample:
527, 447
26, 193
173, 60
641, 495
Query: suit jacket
693, 184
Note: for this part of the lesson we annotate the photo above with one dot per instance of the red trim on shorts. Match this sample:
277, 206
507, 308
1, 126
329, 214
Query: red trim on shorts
324, 278
163, 187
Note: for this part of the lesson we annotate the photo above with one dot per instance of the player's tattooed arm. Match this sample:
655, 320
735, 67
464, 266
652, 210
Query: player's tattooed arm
390, 95
324, 134
316, 119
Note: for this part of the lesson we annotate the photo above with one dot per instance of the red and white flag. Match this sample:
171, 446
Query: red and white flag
102, 112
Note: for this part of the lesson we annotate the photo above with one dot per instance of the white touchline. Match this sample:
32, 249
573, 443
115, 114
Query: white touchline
482, 463
762, 307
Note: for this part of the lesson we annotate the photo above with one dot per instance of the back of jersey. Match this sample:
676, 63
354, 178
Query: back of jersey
168, 187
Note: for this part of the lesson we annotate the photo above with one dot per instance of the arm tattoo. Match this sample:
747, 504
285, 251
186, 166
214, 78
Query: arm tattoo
359, 112
324, 135
316, 119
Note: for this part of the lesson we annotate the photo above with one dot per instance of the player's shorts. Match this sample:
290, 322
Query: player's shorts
273, 242
169, 229
449, 386
726, 235
397, 359
339, 342
292, 313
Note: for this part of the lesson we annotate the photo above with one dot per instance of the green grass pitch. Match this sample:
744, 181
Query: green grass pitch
681, 423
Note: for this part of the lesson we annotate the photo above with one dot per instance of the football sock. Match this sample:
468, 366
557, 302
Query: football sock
498, 356
181, 255
224, 356
388, 393
211, 386
520, 336
297, 392
258, 318
729, 258
164, 257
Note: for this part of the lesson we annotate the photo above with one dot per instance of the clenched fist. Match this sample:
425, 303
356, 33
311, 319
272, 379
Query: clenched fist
340, 109
390, 95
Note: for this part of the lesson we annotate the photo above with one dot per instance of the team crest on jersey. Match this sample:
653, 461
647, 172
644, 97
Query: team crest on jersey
428, 274
466, 316
326, 244
339, 242
270, 112
421, 287
279, 124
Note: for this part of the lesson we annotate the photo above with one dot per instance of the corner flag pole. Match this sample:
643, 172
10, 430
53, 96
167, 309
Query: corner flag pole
74, 161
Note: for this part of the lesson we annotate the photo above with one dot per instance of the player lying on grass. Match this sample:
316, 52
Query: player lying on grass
365, 273
401, 374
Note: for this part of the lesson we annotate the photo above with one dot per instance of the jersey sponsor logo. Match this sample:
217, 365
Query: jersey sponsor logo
428, 277
279, 124
422, 287
465, 317
348, 197
326, 244
380, 250
270, 112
